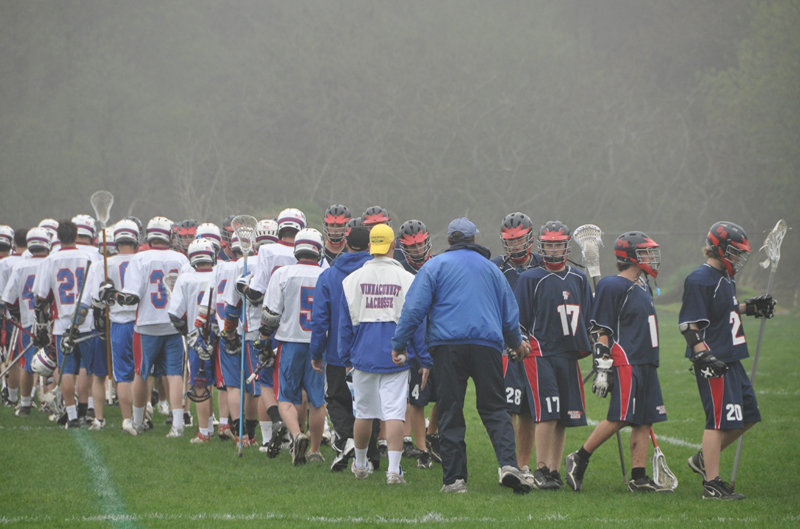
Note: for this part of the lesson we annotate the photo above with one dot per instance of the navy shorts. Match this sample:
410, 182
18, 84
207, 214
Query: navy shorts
296, 374
416, 395
554, 390
729, 401
514, 377
122, 351
636, 396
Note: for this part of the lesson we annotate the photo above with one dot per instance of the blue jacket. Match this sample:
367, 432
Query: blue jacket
467, 300
325, 312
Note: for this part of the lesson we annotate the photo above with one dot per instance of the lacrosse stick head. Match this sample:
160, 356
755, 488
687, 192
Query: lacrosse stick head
662, 475
168, 282
772, 245
102, 202
244, 226
589, 238
199, 391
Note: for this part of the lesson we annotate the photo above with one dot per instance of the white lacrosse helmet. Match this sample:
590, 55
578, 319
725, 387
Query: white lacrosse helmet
159, 228
266, 232
291, 218
85, 224
126, 231
38, 238
6, 235
308, 240
210, 231
110, 243
42, 363
51, 225
202, 251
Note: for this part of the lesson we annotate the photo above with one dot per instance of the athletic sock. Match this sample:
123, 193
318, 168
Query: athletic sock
394, 461
72, 412
235, 427
138, 415
204, 432
223, 421
177, 419
91, 403
266, 430
250, 428
274, 414
82, 409
25, 402
583, 454
13, 394
638, 473
361, 457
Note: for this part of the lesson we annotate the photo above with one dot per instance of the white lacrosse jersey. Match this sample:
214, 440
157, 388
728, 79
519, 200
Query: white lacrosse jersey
91, 253
270, 258
19, 288
187, 294
291, 294
144, 278
233, 298
6, 264
61, 275
117, 270
223, 279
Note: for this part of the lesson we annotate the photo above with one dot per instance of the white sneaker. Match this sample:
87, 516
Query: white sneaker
326, 434
163, 408
393, 478
359, 472
97, 424
148, 411
127, 427
175, 432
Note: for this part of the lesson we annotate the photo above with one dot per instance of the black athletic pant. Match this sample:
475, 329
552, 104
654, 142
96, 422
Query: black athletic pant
454, 364
340, 410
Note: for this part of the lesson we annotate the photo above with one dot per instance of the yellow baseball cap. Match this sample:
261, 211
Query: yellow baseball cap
380, 239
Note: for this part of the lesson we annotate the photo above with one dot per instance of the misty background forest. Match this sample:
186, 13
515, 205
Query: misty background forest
661, 115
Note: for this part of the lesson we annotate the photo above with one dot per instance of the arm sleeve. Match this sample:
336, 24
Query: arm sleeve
42, 285
418, 349
418, 301
320, 317
273, 299
345, 331
605, 311
523, 293
511, 334
133, 279
177, 302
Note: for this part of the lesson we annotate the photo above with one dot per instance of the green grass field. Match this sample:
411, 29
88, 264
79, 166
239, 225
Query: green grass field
57, 478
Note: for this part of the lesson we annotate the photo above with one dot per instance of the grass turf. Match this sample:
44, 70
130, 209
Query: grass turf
57, 478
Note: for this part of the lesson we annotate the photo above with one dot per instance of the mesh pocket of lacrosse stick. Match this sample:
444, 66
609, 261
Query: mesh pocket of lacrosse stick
772, 244
102, 202
662, 475
168, 282
245, 228
589, 237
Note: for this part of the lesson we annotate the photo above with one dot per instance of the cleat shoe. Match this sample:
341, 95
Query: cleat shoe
23, 411
698, 464
424, 459
90, 416
147, 425
175, 432
274, 447
646, 484
326, 435
225, 433
576, 468
73, 424
512, 478
97, 424
359, 472
459, 486
63, 418
187, 419
299, 448
199, 439
163, 408
393, 478
342, 458
148, 411
127, 427
409, 450
383, 448
526, 473
555, 476
314, 457
432, 442
543, 480
718, 489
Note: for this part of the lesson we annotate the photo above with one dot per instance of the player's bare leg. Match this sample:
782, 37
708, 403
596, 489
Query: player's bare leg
125, 396
84, 385
640, 445
25, 384
98, 395
415, 417
13, 381
545, 440
602, 433
316, 420
526, 433
557, 449
362, 431
714, 442
290, 414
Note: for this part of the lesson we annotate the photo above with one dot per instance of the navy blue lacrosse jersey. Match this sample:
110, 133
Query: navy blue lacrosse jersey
625, 308
555, 307
709, 300
512, 272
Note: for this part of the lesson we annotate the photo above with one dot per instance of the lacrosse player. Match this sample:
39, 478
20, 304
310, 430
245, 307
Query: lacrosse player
8, 258
710, 321
156, 343
183, 308
626, 359
18, 299
288, 302
333, 226
555, 304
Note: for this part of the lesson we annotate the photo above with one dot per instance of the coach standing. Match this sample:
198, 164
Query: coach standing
471, 313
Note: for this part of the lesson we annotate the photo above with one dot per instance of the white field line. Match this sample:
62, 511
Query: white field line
110, 502
661, 438
431, 517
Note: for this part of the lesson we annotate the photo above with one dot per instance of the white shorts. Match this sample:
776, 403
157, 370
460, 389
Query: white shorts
380, 395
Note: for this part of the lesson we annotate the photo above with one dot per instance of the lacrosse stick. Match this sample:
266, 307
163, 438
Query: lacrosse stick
12, 342
199, 391
589, 238
102, 202
244, 226
168, 282
662, 475
772, 245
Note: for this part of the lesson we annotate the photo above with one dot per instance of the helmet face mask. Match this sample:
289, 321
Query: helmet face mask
415, 242
728, 242
186, 232
554, 239
334, 224
516, 231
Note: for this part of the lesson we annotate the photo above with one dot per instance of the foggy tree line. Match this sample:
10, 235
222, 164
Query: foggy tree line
662, 116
